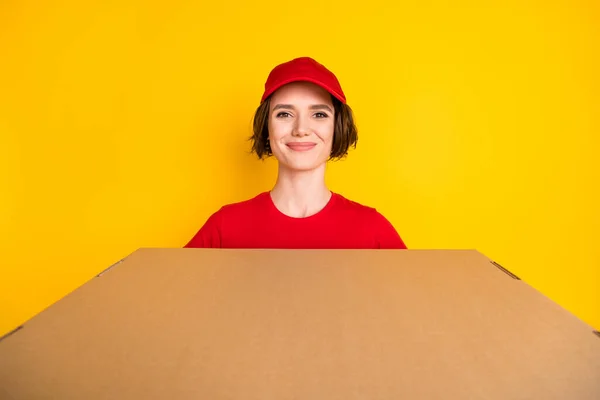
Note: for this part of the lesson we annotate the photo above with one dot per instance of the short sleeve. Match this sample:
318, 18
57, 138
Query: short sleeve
386, 235
209, 234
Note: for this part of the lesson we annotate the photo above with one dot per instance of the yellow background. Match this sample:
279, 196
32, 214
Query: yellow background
124, 124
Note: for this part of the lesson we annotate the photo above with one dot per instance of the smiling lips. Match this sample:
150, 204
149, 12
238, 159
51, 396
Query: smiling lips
301, 146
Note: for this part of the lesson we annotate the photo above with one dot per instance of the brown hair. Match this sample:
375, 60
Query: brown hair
345, 133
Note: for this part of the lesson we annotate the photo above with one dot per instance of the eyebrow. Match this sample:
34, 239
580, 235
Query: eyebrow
313, 107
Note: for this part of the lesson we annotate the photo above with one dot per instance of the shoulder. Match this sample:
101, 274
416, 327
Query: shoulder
368, 217
237, 212
358, 209
229, 215
242, 206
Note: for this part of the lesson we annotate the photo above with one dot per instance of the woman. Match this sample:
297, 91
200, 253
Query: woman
303, 121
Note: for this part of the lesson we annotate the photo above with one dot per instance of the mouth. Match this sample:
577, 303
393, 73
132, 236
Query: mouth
301, 146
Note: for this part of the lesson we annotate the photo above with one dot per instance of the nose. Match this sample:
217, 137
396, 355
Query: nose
301, 127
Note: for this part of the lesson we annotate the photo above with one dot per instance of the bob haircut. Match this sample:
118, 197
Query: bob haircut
345, 134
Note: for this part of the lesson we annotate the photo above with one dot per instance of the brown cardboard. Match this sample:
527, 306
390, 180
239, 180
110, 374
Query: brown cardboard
312, 324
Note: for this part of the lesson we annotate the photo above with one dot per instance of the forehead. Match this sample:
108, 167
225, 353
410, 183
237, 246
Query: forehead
301, 92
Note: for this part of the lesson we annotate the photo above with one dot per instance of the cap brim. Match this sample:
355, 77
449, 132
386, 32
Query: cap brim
335, 94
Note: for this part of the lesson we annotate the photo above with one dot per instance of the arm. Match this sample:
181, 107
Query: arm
209, 235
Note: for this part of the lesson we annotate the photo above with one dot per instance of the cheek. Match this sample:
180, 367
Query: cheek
277, 130
326, 132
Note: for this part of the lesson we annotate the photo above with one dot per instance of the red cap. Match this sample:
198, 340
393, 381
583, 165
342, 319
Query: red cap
303, 69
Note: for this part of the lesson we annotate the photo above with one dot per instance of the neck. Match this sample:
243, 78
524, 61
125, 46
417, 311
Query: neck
300, 193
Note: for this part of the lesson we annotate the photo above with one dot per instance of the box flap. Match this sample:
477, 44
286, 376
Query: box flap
302, 324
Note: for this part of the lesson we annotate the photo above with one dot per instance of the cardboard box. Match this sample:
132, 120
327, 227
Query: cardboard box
309, 324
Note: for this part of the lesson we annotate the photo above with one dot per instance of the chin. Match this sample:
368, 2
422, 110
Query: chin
301, 162
302, 165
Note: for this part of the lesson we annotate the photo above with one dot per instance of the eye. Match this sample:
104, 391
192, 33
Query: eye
283, 114
321, 115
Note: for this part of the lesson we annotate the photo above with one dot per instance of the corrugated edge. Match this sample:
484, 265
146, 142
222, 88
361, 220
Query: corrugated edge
507, 272
18, 328
109, 268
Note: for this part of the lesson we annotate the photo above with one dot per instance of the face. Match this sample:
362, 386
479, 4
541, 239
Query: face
301, 126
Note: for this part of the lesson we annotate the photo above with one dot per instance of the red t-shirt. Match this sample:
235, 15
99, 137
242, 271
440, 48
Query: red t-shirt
257, 223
